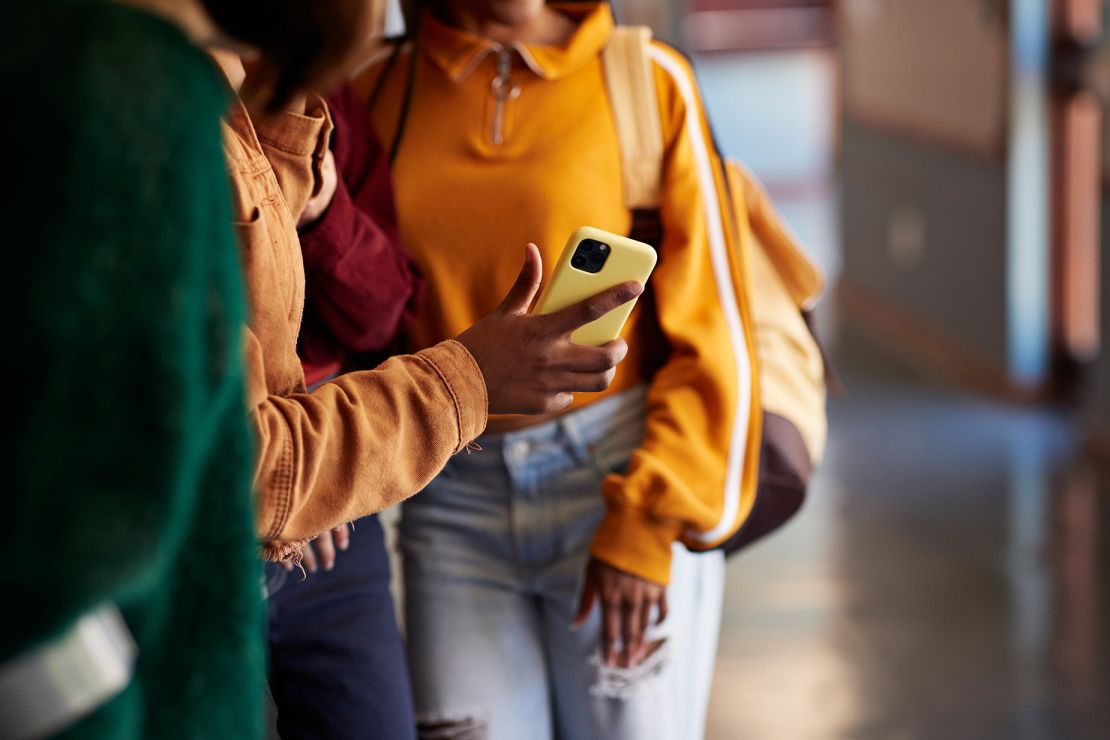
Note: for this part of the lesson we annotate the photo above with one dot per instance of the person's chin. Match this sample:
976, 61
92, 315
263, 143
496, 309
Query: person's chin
516, 12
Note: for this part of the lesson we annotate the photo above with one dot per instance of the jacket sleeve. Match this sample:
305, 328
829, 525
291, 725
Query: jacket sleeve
362, 286
684, 482
360, 443
294, 145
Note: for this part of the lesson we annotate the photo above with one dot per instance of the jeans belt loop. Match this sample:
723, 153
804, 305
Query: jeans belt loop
574, 432
48, 688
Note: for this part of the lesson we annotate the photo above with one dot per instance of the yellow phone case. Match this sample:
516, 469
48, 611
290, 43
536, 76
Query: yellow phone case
628, 260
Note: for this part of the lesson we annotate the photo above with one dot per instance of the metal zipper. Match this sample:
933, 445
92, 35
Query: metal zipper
504, 89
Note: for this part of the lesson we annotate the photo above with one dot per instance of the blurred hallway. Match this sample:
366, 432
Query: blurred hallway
947, 578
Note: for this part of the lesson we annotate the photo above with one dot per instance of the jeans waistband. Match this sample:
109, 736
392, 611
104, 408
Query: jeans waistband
582, 427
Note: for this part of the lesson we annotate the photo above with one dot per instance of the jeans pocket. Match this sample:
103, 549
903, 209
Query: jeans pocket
612, 442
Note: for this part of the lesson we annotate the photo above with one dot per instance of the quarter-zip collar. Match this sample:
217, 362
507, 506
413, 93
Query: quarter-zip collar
459, 52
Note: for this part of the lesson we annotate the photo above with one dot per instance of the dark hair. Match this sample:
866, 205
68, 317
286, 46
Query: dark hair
302, 43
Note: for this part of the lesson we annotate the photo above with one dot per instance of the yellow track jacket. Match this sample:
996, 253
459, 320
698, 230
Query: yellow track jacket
503, 146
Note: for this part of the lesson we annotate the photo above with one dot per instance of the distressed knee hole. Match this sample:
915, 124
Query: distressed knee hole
615, 682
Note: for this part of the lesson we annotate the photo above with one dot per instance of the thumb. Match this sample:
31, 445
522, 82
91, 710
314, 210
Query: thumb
586, 605
527, 283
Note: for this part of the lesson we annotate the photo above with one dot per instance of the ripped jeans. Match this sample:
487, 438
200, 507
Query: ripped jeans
494, 552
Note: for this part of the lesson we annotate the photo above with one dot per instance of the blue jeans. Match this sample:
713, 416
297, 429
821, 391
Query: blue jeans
337, 664
494, 551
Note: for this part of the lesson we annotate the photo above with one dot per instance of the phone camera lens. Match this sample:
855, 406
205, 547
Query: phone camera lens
590, 256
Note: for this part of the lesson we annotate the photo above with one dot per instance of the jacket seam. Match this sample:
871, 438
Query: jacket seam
473, 363
296, 151
283, 483
454, 399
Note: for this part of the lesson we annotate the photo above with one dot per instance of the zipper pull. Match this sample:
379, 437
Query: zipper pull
504, 89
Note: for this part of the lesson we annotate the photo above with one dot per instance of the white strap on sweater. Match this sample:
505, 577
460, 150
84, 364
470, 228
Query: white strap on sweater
49, 688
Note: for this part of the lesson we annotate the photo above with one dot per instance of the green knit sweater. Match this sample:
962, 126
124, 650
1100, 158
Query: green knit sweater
128, 474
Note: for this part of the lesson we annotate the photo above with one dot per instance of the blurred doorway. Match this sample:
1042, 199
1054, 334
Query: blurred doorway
971, 155
730, 25
1077, 134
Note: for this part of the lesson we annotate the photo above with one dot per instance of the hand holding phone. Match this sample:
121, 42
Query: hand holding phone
529, 362
594, 261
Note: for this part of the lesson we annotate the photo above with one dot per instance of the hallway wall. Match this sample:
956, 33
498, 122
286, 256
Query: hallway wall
924, 231
925, 178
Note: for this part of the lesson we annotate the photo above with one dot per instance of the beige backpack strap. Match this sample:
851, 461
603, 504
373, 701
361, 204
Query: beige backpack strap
632, 96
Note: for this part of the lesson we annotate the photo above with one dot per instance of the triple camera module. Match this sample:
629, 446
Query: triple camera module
590, 255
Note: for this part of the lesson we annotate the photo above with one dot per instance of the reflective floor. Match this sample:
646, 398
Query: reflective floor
949, 578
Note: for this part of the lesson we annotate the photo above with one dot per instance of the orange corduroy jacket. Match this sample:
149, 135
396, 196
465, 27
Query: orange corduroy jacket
366, 440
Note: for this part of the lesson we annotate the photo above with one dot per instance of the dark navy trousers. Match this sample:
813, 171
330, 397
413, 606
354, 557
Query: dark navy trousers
337, 664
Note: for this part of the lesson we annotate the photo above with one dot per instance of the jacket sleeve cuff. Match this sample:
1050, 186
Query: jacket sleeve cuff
296, 133
636, 542
464, 380
277, 551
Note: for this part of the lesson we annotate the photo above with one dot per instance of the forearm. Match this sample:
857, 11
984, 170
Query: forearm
366, 441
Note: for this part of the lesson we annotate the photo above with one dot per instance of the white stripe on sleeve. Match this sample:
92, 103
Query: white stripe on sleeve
726, 294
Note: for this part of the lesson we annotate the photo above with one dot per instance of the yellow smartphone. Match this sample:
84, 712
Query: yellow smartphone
593, 261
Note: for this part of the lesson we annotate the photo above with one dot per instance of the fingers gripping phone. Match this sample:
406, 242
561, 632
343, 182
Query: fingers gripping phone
593, 261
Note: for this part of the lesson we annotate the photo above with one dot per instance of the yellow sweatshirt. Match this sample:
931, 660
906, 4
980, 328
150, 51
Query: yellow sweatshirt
479, 174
